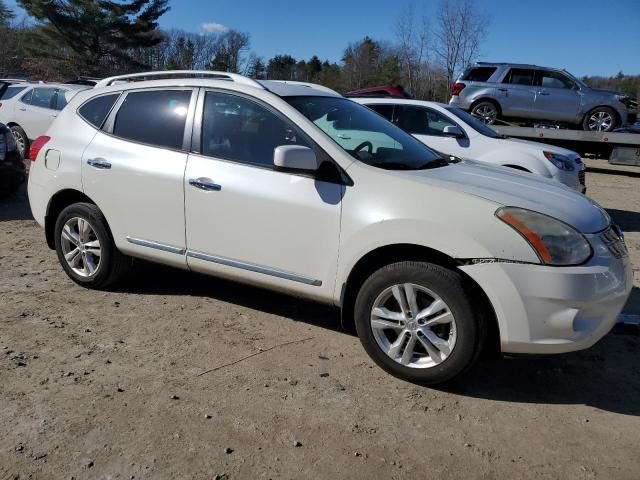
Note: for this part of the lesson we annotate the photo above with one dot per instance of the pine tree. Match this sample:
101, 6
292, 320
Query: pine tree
99, 34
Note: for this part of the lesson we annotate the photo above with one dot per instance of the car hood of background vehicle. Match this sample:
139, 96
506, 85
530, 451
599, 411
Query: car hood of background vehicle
520, 189
538, 148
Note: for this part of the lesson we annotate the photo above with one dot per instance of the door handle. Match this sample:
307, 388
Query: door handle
344, 137
23, 109
543, 93
502, 89
99, 163
205, 184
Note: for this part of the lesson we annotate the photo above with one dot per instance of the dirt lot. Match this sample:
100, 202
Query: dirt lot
109, 385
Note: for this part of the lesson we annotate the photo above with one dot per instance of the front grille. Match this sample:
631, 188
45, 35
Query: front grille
581, 177
614, 240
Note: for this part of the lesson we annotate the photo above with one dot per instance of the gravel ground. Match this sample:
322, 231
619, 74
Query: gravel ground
113, 385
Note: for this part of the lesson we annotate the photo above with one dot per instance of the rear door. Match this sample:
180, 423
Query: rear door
35, 111
134, 170
557, 96
517, 92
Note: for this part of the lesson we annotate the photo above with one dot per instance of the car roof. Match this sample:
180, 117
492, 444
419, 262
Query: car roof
397, 101
517, 65
194, 78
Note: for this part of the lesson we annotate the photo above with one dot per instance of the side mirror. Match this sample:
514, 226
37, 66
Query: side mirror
295, 157
453, 131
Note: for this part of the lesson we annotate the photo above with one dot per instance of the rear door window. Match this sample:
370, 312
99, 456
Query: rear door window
95, 111
479, 74
154, 117
520, 76
41, 97
424, 121
385, 110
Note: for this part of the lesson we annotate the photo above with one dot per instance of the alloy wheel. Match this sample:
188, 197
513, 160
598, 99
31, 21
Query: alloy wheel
81, 247
486, 113
20, 141
600, 122
413, 326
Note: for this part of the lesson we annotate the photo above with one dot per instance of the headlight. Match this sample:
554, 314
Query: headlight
560, 161
555, 242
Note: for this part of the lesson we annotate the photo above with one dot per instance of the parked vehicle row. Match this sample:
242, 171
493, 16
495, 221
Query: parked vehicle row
528, 92
28, 109
293, 187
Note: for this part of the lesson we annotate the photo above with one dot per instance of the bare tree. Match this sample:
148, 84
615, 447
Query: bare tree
414, 37
462, 26
229, 51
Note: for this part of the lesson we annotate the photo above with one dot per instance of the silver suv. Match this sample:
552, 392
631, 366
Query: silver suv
531, 93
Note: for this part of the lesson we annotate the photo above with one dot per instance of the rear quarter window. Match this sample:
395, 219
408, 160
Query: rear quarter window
96, 110
479, 74
154, 117
11, 92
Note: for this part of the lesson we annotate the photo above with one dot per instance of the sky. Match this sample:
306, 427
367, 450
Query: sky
586, 37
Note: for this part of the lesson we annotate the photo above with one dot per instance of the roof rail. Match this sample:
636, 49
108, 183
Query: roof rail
314, 86
133, 77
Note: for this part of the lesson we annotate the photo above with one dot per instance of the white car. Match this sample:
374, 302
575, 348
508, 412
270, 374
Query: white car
453, 131
251, 181
28, 109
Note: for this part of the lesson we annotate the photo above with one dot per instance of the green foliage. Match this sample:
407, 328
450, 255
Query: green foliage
93, 35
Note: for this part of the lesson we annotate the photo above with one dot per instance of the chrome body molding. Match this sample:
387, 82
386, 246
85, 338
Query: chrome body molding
158, 246
254, 268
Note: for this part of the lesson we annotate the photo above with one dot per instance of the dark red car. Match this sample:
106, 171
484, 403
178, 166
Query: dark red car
384, 90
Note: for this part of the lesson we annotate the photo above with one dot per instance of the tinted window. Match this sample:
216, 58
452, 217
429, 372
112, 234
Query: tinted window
379, 143
424, 121
520, 76
156, 117
385, 110
40, 97
95, 111
550, 79
479, 74
11, 92
239, 129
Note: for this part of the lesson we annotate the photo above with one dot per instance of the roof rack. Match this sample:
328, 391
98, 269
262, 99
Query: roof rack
314, 86
138, 77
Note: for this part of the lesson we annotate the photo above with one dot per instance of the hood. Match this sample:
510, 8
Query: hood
608, 92
509, 187
540, 147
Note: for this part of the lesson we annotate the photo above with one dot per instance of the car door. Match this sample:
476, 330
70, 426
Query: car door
35, 111
134, 170
516, 93
557, 97
427, 125
244, 218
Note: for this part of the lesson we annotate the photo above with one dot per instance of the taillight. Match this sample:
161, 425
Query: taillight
457, 88
36, 146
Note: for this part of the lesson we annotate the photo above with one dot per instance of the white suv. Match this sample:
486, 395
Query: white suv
455, 132
255, 181
28, 109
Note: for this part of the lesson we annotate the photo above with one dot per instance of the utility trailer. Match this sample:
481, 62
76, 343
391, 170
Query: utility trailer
618, 148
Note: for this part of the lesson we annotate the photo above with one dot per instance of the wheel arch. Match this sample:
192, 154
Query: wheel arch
486, 99
616, 114
381, 256
59, 202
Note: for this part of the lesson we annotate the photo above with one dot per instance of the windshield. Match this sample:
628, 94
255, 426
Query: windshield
474, 123
365, 135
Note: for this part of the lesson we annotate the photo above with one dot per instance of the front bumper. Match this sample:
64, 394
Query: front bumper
543, 310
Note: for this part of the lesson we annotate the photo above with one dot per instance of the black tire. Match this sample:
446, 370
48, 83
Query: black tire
22, 140
478, 111
112, 264
590, 121
446, 284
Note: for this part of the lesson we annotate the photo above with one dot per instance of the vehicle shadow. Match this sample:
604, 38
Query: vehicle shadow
627, 220
605, 377
16, 206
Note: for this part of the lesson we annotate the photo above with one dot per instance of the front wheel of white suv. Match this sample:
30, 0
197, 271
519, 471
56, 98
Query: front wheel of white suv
85, 247
417, 322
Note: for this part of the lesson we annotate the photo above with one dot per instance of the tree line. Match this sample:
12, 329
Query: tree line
67, 39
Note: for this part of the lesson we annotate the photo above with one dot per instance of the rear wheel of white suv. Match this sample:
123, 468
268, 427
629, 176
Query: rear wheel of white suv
416, 321
21, 140
85, 247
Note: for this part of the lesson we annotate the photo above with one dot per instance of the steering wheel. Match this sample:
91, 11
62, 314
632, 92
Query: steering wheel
367, 144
